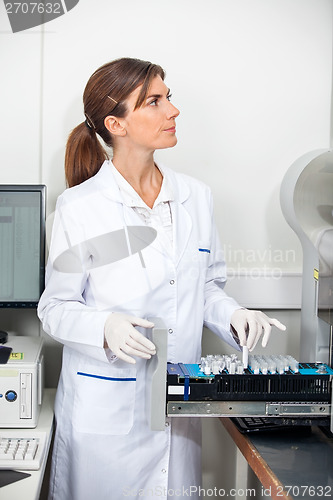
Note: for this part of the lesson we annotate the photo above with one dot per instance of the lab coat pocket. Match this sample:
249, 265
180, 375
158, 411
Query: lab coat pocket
104, 401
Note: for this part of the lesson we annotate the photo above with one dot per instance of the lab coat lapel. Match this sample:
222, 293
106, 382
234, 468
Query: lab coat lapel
182, 230
182, 221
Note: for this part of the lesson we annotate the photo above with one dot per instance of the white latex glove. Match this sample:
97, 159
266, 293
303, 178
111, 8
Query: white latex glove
249, 325
123, 339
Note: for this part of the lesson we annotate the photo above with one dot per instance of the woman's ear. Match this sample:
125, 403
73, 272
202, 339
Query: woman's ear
114, 126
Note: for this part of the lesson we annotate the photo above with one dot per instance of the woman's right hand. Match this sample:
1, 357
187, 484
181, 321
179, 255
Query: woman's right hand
124, 340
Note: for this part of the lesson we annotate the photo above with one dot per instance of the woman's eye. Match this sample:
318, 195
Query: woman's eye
155, 101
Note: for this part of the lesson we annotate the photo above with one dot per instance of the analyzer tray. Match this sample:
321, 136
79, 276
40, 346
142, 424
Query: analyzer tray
187, 382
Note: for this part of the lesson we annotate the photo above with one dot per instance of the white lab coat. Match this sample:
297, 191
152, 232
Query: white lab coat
104, 448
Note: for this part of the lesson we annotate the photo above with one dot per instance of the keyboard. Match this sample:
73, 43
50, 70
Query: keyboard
19, 450
270, 424
260, 424
253, 424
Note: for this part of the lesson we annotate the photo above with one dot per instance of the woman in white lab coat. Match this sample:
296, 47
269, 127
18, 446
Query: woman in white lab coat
131, 240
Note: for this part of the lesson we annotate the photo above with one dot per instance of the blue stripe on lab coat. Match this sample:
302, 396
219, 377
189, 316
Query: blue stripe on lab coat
107, 378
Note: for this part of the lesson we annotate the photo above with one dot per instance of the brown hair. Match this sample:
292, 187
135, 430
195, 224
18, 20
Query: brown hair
105, 94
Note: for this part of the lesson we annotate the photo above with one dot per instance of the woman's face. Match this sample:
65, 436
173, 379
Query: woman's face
153, 125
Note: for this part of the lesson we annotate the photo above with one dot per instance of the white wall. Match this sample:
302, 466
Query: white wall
252, 79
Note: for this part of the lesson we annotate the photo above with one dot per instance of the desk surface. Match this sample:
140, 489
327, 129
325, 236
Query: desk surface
291, 465
29, 488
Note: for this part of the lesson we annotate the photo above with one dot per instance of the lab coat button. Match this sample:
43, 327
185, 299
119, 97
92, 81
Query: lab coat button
170, 330
167, 424
172, 282
164, 471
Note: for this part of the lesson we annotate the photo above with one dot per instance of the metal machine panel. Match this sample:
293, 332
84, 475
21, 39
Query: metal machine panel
21, 383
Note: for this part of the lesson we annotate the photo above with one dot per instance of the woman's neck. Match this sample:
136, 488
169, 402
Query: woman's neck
142, 174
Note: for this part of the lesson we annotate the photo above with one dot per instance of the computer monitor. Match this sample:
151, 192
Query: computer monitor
22, 244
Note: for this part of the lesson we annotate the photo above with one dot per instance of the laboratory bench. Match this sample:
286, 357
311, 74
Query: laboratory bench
32, 486
290, 464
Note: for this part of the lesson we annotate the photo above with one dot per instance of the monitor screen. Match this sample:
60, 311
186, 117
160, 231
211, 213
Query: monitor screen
22, 244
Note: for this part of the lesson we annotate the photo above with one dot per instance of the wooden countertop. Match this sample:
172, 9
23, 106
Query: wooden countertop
264, 473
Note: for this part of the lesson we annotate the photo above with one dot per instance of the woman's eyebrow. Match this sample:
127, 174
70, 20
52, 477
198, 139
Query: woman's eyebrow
157, 96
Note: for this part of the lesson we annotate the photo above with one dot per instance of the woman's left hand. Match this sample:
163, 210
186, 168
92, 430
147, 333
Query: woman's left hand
249, 325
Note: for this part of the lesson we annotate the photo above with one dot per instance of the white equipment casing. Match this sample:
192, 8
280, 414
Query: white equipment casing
307, 204
21, 383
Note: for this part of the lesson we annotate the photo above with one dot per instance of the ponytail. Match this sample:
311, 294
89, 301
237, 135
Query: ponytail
84, 155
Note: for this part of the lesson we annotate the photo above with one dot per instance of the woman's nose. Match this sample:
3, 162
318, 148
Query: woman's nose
173, 112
